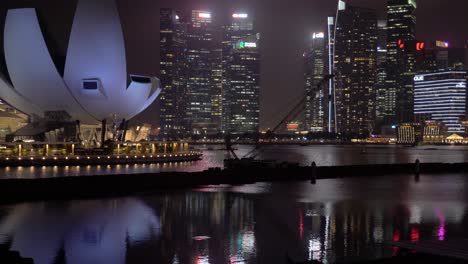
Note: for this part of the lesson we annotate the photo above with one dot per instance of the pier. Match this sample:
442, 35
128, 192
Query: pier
71, 154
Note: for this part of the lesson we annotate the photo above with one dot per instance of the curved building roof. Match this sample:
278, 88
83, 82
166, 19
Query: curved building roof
94, 86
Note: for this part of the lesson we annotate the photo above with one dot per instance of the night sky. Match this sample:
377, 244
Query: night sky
285, 27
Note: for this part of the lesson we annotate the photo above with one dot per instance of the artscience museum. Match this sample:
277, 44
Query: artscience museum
90, 86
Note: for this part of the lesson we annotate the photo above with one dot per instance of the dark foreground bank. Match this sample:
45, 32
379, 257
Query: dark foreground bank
18, 190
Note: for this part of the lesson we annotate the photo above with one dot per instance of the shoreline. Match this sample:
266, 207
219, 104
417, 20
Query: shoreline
104, 186
97, 159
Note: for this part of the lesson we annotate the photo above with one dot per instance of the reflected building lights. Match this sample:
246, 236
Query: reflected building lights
239, 226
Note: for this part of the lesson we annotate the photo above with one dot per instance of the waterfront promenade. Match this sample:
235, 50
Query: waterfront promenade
72, 154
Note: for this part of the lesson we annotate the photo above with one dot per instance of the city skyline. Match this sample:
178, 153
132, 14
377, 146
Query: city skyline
288, 50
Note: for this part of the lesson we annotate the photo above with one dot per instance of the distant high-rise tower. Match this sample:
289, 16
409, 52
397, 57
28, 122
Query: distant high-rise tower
316, 111
241, 75
381, 76
173, 69
355, 49
331, 71
401, 28
202, 114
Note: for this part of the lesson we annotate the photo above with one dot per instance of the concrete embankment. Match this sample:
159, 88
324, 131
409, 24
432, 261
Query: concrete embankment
17, 190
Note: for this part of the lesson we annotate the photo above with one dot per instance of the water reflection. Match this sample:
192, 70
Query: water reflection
323, 155
262, 223
86, 231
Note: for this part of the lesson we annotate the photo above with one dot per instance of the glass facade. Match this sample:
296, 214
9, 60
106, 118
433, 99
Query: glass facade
355, 70
442, 96
315, 59
401, 30
173, 74
241, 75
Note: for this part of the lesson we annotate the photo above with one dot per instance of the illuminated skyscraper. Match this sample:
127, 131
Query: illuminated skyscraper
173, 72
401, 28
354, 69
241, 80
201, 90
316, 111
441, 96
381, 76
331, 71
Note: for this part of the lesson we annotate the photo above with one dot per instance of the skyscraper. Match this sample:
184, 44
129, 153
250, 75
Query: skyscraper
241, 75
354, 69
441, 96
173, 72
401, 28
331, 72
316, 111
381, 76
201, 90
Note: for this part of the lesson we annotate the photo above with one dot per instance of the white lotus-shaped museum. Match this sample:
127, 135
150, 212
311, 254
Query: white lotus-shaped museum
94, 83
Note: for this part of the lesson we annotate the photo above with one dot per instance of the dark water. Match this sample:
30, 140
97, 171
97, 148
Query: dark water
323, 155
339, 219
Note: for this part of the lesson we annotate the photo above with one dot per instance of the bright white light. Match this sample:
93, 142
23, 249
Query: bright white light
319, 35
341, 5
204, 15
240, 15
177, 17
250, 44
419, 78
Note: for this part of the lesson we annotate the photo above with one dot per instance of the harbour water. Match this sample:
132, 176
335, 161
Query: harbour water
334, 220
213, 156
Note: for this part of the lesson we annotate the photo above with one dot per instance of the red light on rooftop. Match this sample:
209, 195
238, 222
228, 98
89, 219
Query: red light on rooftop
420, 46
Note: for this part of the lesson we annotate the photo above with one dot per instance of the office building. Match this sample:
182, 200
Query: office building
201, 90
173, 72
355, 45
447, 57
401, 32
315, 59
381, 74
441, 96
241, 75
331, 71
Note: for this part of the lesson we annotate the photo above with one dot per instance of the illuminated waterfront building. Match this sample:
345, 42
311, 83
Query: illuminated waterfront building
355, 45
201, 91
442, 95
241, 75
433, 132
173, 72
401, 28
316, 111
91, 85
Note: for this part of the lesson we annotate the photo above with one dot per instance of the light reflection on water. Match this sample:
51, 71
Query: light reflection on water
336, 219
323, 155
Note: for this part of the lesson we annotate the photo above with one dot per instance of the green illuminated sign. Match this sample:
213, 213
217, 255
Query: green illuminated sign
412, 2
242, 44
